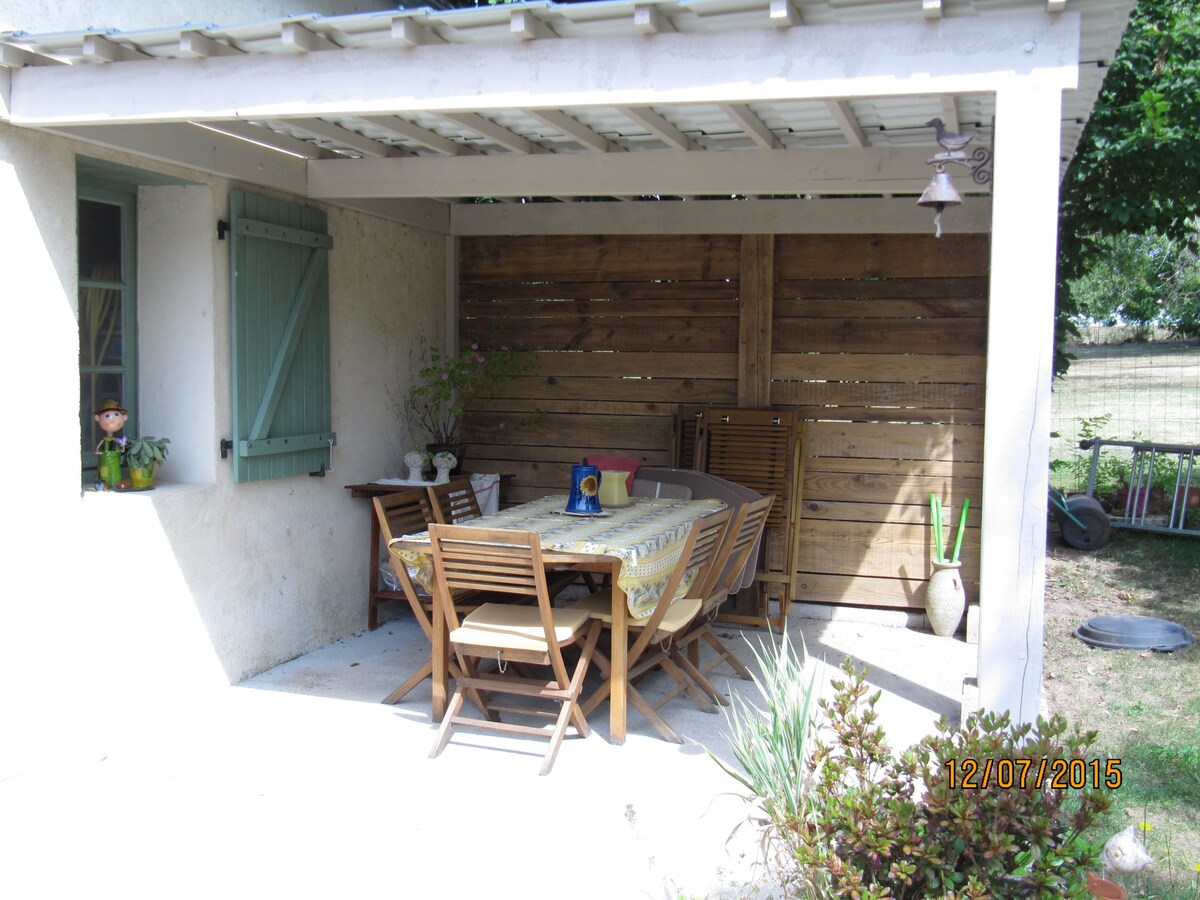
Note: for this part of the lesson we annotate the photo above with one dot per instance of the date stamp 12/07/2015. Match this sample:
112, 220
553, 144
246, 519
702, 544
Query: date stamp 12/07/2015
971, 774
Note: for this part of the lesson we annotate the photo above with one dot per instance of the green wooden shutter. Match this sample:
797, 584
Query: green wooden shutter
282, 416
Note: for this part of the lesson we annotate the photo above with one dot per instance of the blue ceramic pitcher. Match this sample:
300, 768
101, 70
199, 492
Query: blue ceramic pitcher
585, 490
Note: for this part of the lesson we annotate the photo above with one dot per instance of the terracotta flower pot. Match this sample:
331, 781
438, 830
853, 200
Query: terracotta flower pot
1143, 501
1102, 887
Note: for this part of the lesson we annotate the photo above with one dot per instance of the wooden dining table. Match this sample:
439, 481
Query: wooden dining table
636, 545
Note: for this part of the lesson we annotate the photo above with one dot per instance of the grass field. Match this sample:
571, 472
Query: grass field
1145, 706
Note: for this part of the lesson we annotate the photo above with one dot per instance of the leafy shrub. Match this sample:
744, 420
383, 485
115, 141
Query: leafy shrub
887, 826
448, 385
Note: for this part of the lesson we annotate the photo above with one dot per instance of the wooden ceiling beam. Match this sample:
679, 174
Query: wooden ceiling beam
347, 138
784, 14
573, 129
747, 120
497, 134
98, 48
847, 122
258, 134
431, 140
14, 57
649, 20
298, 39
899, 170
658, 126
950, 113
828, 62
204, 150
780, 216
528, 27
411, 33
194, 45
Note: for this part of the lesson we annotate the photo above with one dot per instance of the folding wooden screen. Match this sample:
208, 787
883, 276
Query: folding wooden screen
762, 449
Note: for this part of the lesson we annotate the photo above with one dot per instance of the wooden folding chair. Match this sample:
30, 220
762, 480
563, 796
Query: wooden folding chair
670, 617
454, 502
503, 561
764, 450
740, 540
407, 511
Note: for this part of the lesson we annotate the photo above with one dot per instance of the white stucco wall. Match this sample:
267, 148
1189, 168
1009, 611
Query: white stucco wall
201, 582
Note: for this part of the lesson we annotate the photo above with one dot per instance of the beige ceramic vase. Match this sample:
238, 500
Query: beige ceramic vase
613, 491
945, 599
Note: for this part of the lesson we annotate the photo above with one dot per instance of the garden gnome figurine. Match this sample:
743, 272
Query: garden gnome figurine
111, 418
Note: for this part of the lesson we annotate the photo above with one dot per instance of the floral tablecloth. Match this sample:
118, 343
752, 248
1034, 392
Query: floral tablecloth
647, 536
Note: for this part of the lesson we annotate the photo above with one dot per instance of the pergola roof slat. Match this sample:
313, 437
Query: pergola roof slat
666, 79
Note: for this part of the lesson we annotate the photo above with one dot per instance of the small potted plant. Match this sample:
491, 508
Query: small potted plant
448, 385
443, 463
142, 455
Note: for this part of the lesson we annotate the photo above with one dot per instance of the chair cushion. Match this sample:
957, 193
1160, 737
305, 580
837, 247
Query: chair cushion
677, 616
511, 627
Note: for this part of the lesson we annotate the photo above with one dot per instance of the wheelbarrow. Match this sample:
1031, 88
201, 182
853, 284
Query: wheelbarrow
1081, 519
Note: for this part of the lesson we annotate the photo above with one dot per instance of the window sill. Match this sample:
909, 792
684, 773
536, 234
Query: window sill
165, 490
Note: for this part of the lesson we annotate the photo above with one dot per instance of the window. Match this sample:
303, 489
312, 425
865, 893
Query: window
107, 309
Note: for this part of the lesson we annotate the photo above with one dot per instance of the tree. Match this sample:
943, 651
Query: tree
1143, 281
1137, 169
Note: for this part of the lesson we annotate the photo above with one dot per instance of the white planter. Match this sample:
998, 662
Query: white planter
945, 599
415, 460
444, 462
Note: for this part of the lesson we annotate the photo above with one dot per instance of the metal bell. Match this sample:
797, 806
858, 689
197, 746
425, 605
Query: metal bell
939, 194
940, 191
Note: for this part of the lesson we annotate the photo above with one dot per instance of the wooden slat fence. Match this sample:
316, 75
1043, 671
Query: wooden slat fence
878, 340
881, 343
625, 329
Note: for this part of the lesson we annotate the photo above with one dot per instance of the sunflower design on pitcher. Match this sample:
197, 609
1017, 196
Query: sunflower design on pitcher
589, 486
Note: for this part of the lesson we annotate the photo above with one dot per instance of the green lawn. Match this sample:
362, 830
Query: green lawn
1145, 706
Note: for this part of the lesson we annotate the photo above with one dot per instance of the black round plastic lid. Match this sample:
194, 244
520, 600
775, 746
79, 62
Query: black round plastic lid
1134, 633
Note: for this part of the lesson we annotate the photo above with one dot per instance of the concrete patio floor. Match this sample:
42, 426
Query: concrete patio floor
300, 783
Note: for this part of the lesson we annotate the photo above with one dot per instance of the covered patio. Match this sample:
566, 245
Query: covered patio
708, 202
298, 782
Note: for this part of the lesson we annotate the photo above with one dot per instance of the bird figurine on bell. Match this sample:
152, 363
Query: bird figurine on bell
949, 140
940, 192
